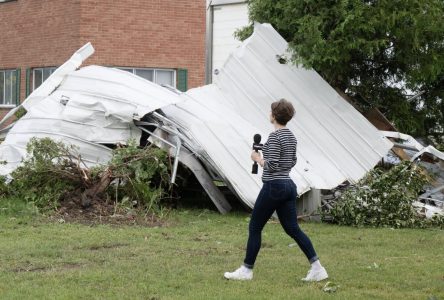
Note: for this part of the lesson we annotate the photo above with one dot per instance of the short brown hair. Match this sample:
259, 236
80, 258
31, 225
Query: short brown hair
282, 111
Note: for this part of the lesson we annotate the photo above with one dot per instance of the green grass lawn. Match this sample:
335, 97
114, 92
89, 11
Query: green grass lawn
187, 259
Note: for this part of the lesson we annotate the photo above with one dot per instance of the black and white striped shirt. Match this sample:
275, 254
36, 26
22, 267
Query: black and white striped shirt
279, 154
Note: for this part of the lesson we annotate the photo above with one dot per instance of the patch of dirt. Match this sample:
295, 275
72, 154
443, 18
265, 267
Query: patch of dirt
107, 246
31, 268
100, 211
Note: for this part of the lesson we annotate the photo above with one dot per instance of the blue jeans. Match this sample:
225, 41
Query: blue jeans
280, 196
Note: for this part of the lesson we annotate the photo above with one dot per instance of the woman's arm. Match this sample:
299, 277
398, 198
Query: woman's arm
273, 153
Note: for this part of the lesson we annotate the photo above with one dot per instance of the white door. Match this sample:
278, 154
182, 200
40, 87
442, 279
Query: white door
227, 19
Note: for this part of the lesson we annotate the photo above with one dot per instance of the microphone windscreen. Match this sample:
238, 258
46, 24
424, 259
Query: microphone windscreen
257, 138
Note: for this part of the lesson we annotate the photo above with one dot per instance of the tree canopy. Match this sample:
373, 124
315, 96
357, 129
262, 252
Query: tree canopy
381, 53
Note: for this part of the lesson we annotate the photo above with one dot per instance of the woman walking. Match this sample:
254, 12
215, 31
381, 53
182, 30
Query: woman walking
278, 194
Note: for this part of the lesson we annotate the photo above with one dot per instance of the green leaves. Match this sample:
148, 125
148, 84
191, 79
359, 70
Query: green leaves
330, 287
380, 52
384, 199
54, 171
46, 175
142, 175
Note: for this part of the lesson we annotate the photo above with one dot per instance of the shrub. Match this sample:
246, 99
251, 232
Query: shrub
141, 174
48, 172
384, 198
54, 171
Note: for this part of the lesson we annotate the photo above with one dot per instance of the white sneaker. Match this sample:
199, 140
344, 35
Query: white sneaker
317, 274
243, 273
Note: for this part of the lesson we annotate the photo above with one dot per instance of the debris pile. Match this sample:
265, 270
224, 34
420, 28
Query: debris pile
383, 198
54, 178
329, 198
208, 129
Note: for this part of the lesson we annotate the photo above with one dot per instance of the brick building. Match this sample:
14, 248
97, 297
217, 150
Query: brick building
160, 40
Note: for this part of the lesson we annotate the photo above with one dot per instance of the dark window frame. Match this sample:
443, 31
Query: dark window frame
32, 80
14, 92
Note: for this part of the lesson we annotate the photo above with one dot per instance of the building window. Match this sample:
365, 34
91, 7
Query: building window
159, 76
39, 75
9, 87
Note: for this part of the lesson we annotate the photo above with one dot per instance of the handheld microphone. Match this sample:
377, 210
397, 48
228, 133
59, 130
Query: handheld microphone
256, 147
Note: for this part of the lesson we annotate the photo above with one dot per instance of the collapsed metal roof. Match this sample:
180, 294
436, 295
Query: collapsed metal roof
87, 108
214, 124
336, 143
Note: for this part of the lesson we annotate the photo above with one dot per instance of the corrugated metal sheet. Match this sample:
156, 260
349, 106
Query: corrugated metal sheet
85, 108
410, 141
336, 143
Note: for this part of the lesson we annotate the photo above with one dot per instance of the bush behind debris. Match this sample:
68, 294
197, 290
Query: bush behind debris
53, 172
384, 199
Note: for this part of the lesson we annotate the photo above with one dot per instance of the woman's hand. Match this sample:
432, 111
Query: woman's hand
256, 156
